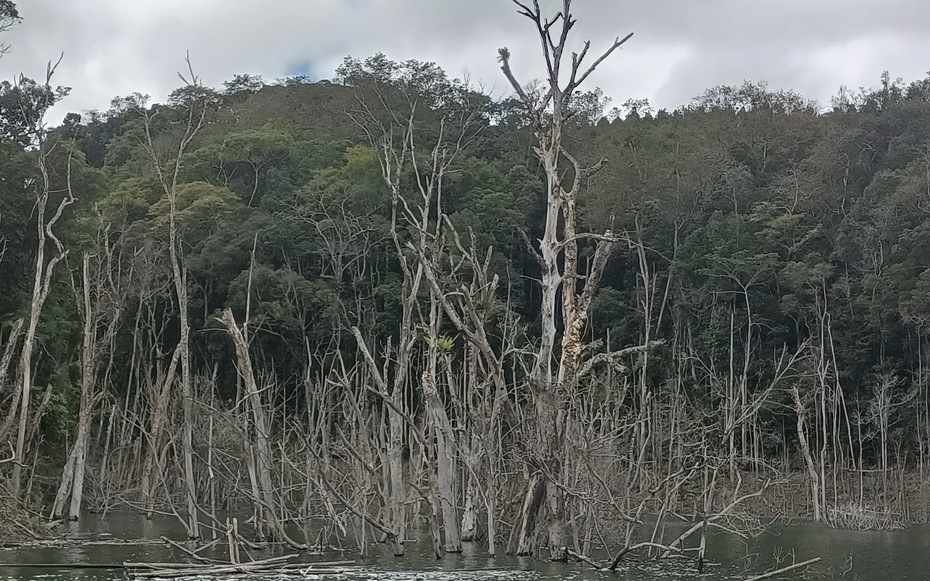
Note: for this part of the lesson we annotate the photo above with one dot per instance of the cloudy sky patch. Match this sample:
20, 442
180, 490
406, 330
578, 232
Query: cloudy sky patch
680, 47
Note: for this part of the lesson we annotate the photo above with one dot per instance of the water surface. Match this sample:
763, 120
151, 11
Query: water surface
900, 555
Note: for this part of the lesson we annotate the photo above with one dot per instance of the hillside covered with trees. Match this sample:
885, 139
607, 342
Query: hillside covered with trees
391, 299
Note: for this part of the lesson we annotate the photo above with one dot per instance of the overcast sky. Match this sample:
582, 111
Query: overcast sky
680, 47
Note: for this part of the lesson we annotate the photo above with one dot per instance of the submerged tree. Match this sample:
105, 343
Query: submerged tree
558, 369
194, 101
400, 352
34, 100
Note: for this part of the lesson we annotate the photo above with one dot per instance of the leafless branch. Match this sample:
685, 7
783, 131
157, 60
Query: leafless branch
12, 454
614, 356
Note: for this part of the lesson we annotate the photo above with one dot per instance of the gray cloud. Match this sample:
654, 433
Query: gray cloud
681, 47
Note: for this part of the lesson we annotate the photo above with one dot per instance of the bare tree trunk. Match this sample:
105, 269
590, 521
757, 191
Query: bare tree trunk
469, 528
72, 482
152, 468
806, 452
187, 401
67, 480
257, 409
169, 179
398, 488
41, 287
445, 465
80, 464
553, 388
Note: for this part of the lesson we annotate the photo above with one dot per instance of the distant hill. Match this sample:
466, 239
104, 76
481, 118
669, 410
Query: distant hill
304, 110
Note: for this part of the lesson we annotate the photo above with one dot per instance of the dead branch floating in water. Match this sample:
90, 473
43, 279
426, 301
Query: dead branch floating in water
192, 554
771, 574
276, 565
71, 542
62, 566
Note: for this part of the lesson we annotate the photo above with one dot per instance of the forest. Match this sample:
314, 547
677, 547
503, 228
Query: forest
390, 303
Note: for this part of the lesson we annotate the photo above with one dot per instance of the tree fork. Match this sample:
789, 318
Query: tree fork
558, 261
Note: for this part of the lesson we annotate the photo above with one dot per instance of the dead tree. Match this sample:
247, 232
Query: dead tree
465, 302
195, 100
267, 498
388, 117
100, 299
556, 372
815, 482
49, 251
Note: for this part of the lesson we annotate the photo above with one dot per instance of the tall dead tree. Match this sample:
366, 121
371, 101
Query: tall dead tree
194, 100
100, 301
556, 372
393, 158
268, 498
391, 112
463, 302
815, 482
35, 101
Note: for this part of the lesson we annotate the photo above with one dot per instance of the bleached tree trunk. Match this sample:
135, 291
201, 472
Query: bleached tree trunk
183, 348
443, 440
34, 123
100, 303
398, 485
256, 408
558, 262
396, 151
812, 473
393, 469
42, 281
168, 176
152, 466
461, 306
469, 528
73, 477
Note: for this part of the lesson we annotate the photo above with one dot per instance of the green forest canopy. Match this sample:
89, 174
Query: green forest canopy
746, 191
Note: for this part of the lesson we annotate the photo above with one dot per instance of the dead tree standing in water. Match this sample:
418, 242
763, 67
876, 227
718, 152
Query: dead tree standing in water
35, 100
195, 100
556, 374
100, 294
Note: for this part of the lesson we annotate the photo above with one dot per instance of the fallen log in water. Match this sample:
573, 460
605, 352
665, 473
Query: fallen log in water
277, 565
141, 565
787, 569
62, 566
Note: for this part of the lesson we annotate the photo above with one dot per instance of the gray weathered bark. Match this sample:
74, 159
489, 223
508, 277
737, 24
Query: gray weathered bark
169, 179
42, 281
558, 261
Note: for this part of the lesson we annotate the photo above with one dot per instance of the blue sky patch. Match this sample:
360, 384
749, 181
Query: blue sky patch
304, 68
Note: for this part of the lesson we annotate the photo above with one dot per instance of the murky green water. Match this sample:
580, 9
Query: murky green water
891, 556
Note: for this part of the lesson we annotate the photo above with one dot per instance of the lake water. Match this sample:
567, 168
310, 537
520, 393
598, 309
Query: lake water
885, 556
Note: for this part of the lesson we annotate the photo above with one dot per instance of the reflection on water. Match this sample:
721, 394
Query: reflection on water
891, 556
